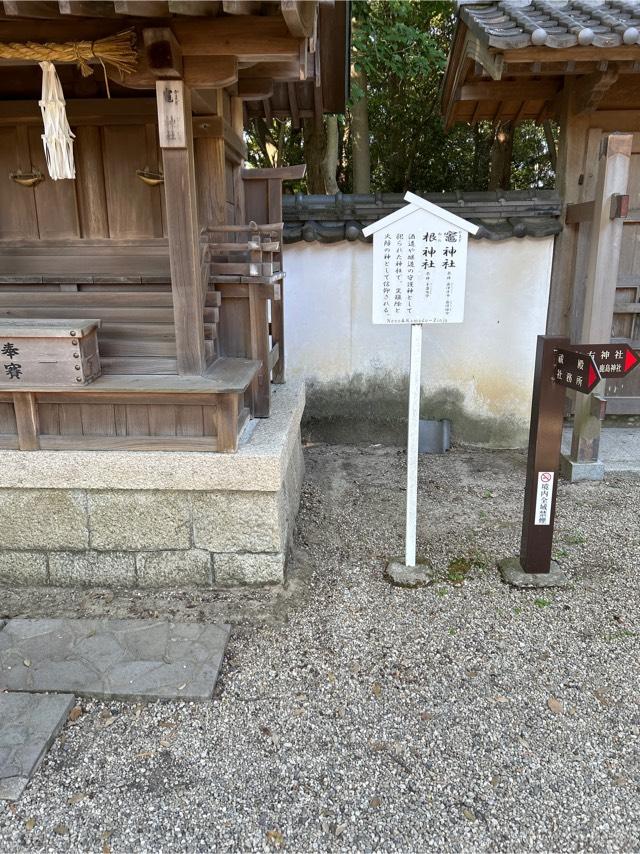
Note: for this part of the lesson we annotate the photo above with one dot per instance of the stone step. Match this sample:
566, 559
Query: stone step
28, 725
112, 659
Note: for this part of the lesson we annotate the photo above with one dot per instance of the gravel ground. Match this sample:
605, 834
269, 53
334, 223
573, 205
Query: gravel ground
354, 715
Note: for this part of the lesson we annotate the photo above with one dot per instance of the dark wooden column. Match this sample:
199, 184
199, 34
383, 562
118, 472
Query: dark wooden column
176, 141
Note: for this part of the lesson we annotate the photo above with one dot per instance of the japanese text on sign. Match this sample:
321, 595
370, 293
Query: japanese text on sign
544, 496
419, 271
12, 368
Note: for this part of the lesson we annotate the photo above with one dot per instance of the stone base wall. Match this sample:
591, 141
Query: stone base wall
173, 537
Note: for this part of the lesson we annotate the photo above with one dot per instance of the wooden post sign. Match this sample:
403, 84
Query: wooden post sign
559, 366
419, 273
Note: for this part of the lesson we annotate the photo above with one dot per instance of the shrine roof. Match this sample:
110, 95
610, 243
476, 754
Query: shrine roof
553, 23
499, 215
509, 59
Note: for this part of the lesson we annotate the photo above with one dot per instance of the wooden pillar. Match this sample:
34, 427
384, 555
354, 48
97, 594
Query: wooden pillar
176, 142
601, 280
27, 421
570, 166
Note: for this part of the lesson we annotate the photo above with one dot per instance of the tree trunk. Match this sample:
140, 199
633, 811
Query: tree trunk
361, 154
330, 162
314, 152
500, 170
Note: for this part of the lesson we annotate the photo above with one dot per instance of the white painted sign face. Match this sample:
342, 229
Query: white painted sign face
419, 270
543, 497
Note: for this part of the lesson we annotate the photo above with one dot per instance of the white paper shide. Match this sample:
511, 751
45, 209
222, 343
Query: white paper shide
419, 264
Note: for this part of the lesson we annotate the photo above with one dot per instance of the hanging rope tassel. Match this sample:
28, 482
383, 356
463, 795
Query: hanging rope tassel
57, 137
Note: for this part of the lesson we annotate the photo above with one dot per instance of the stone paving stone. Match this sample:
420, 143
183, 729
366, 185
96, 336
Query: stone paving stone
28, 725
126, 659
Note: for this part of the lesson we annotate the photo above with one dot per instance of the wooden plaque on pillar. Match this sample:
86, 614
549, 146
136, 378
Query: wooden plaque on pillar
171, 114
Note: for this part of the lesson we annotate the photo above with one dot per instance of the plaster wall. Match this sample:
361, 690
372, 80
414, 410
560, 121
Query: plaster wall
478, 373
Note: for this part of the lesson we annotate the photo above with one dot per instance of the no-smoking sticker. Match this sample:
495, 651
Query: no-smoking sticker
544, 495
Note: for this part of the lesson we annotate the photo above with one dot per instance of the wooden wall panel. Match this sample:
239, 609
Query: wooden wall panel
56, 203
133, 208
8, 420
210, 166
17, 209
91, 192
256, 200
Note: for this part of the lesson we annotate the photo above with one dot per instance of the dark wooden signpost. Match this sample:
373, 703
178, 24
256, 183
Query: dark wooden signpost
559, 365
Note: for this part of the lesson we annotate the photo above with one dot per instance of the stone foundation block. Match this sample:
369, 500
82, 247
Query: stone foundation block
139, 521
108, 569
23, 568
239, 521
43, 519
174, 569
230, 570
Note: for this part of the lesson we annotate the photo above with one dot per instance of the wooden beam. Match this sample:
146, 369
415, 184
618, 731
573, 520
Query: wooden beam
182, 225
241, 7
83, 111
87, 8
210, 72
142, 8
590, 90
216, 127
569, 54
199, 72
197, 8
277, 71
249, 38
300, 16
283, 173
164, 56
255, 89
31, 8
509, 90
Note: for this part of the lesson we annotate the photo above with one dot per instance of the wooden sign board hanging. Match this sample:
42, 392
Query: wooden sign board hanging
171, 114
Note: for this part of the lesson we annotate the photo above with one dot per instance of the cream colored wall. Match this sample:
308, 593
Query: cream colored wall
479, 372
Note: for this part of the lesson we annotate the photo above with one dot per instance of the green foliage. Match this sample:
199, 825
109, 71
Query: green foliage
402, 47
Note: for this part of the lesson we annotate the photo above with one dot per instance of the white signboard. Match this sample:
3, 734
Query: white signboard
419, 268
543, 497
419, 265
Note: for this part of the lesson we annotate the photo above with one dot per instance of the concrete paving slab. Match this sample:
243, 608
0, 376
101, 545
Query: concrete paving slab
125, 659
28, 725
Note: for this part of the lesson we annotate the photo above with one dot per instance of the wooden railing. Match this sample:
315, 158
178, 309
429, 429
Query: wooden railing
245, 264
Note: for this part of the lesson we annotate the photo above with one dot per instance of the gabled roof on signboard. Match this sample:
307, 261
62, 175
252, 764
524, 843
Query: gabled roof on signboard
417, 203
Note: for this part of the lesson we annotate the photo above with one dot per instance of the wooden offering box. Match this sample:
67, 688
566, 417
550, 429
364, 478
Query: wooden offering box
61, 352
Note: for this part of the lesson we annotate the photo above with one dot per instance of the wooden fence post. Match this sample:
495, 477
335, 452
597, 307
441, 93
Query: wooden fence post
599, 298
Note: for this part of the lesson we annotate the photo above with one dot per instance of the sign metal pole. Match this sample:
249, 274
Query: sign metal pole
412, 443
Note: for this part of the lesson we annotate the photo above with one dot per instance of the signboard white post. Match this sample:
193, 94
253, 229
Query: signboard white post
419, 272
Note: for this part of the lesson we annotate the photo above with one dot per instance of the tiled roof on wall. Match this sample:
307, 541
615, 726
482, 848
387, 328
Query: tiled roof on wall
500, 215
512, 24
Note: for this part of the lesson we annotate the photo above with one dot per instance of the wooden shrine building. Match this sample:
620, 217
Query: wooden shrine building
578, 63
141, 302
